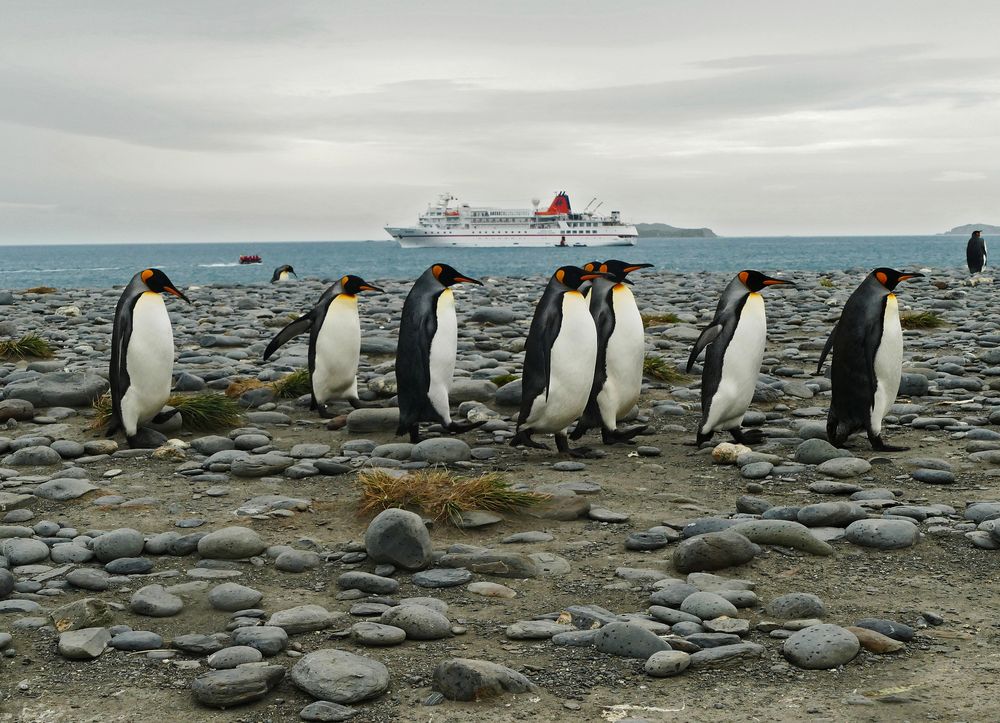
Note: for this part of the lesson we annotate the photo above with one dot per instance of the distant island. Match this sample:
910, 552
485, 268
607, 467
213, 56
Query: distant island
662, 230
965, 230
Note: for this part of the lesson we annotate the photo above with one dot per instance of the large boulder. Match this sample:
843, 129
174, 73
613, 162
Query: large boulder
340, 676
400, 538
60, 389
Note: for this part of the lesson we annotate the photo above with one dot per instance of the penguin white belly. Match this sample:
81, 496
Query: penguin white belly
283, 276
149, 360
888, 364
740, 368
444, 347
623, 359
571, 368
338, 347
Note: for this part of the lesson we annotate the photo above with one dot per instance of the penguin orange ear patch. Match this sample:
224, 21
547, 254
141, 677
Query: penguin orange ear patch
882, 278
560, 275
743, 277
343, 280
436, 270
146, 275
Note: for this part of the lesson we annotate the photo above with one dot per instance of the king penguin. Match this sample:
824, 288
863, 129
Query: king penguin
334, 342
975, 252
621, 349
867, 344
142, 354
425, 353
735, 341
282, 273
559, 361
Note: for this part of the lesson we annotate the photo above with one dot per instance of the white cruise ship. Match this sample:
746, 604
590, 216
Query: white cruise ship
443, 224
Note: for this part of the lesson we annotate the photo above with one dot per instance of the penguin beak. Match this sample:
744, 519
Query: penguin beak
175, 292
589, 277
636, 267
369, 287
467, 280
768, 281
907, 275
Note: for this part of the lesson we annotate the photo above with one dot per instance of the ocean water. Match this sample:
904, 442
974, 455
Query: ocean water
88, 266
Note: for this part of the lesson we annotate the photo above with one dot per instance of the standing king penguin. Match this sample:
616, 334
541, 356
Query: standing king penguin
621, 349
334, 342
282, 273
975, 252
425, 353
867, 344
559, 361
142, 354
735, 340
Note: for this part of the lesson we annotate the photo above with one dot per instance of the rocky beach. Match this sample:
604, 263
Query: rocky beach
229, 574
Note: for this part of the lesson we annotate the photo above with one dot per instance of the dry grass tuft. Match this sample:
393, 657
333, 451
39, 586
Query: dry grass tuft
40, 290
649, 320
200, 412
27, 346
920, 320
241, 386
826, 283
440, 494
656, 367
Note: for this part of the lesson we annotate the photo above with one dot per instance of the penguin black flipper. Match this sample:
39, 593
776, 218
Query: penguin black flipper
710, 334
542, 335
297, 327
604, 318
853, 370
826, 349
413, 373
120, 337
317, 317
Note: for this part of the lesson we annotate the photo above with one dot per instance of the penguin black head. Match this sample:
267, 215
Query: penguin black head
620, 269
289, 269
448, 276
755, 280
890, 277
591, 266
157, 281
976, 234
355, 285
572, 276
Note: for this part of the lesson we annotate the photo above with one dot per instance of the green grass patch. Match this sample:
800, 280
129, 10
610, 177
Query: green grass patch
920, 320
440, 494
668, 317
656, 367
28, 346
292, 386
200, 412
826, 283
504, 379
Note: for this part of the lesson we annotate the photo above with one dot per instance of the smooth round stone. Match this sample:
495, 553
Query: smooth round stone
829, 487
377, 634
844, 467
817, 451
672, 594
528, 537
155, 601
441, 450
796, 605
756, 470
933, 476
123, 542
536, 630
420, 623
231, 597
229, 658
399, 537
713, 551
442, 577
646, 540
883, 534
831, 514
602, 514
368, 610
129, 566
87, 579
69, 552
569, 466
667, 663
628, 640
324, 710
365, 581
268, 639
133, 640
297, 561
6, 583
491, 589
752, 505
340, 676
21, 551
231, 543
889, 628
708, 605
685, 628
821, 647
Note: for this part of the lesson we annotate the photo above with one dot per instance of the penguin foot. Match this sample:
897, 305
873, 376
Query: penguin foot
578, 431
523, 439
623, 436
324, 411
880, 445
702, 438
414, 434
164, 416
358, 404
562, 444
462, 427
747, 436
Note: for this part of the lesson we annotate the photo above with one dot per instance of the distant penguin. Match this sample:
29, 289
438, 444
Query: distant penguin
142, 354
426, 351
735, 341
559, 361
621, 350
282, 273
867, 344
334, 342
975, 252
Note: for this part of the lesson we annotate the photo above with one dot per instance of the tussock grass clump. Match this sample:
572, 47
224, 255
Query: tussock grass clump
649, 320
656, 367
504, 379
241, 386
920, 320
826, 283
440, 494
292, 386
29, 345
200, 412
40, 290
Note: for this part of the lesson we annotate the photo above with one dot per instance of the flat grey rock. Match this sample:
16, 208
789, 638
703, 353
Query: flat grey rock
339, 676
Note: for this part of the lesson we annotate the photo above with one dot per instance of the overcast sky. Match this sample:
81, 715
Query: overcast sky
231, 120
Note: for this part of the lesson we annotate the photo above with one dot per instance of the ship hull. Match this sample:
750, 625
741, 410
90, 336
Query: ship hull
418, 238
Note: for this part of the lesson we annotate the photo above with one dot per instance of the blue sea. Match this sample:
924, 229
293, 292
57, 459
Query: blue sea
189, 264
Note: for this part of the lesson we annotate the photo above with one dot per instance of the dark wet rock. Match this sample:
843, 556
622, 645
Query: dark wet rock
713, 551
